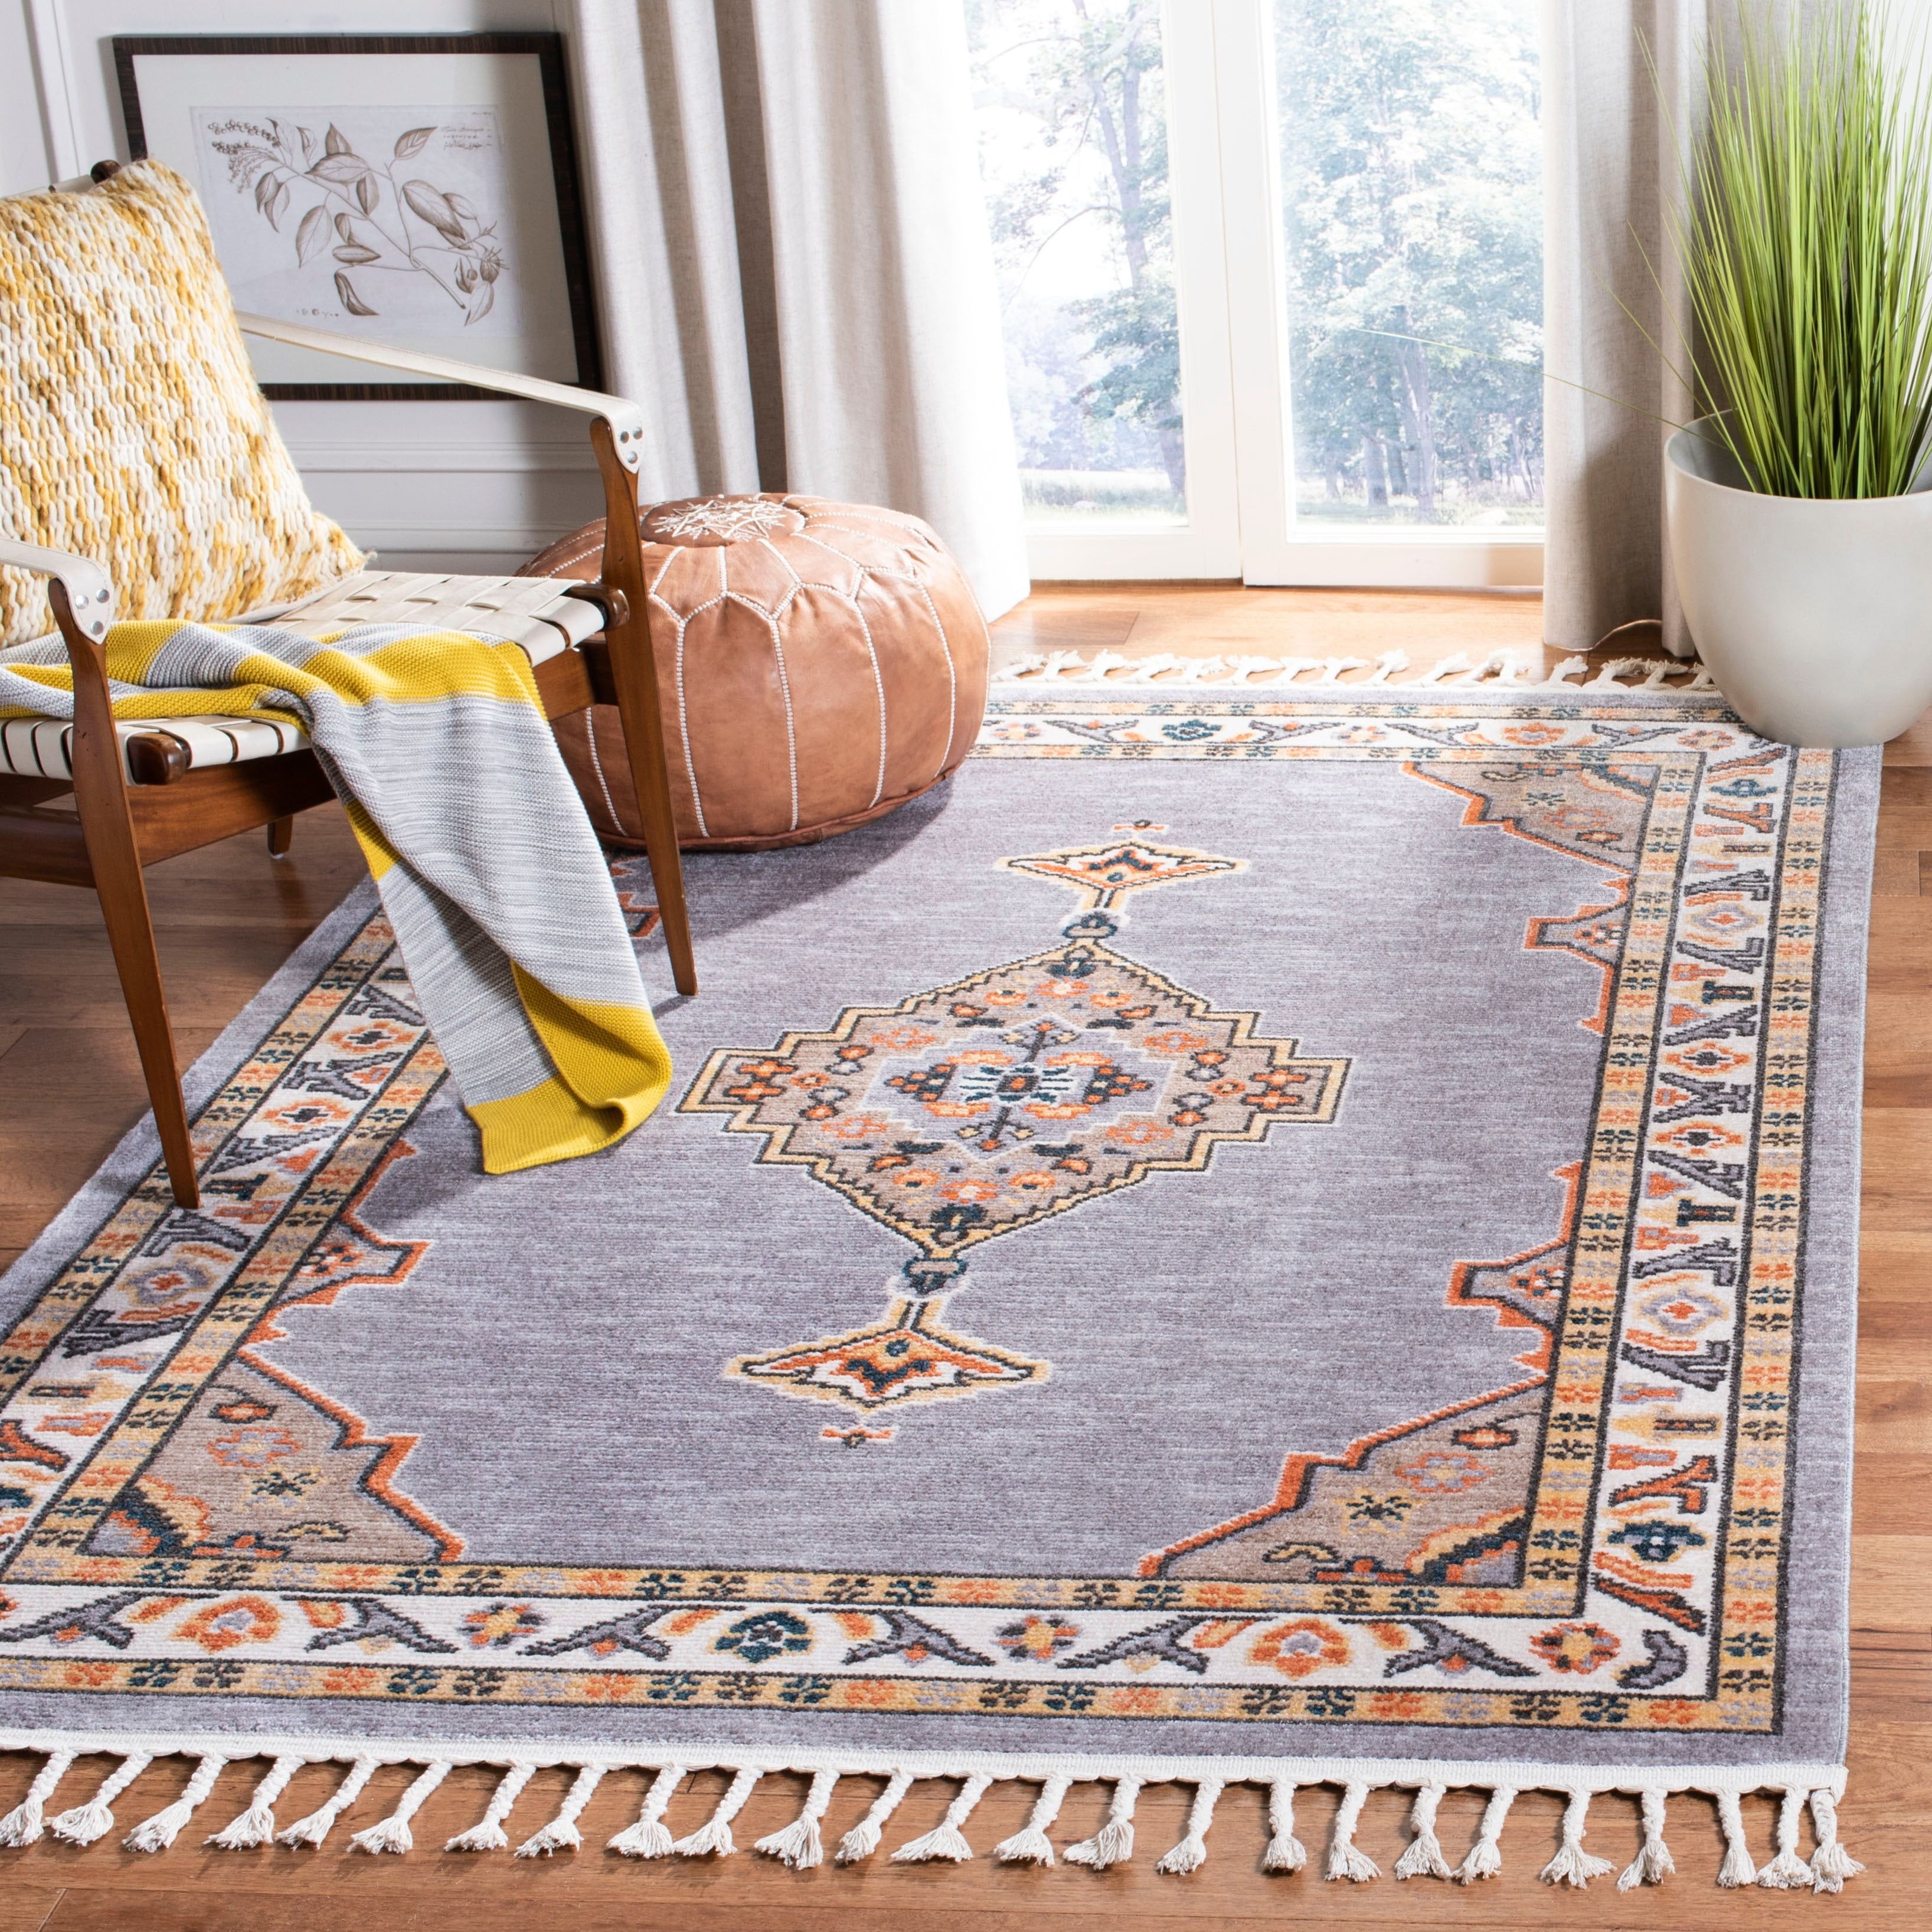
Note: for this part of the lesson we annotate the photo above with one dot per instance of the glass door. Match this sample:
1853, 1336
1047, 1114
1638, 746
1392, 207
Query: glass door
1097, 122
1272, 273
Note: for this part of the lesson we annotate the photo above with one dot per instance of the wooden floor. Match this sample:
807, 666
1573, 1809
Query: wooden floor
69, 1086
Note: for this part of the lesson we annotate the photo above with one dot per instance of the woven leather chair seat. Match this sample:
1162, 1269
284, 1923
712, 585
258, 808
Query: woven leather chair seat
542, 616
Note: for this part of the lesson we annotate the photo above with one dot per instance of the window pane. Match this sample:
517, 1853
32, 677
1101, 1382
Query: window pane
1412, 190
1073, 153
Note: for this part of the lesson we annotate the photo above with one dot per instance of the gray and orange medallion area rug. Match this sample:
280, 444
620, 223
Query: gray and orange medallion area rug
1299, 1235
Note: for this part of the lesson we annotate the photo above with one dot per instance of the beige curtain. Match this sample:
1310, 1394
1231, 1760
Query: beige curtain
1611, 163
792, 259
1615, 140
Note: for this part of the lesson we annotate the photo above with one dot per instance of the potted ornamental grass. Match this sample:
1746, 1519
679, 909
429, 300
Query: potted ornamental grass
1799, 507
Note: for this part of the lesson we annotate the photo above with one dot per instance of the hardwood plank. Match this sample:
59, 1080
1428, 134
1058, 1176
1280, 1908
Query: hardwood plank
27, 1908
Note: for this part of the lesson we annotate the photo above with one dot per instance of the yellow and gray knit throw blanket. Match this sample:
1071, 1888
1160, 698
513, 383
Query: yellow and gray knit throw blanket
499, 893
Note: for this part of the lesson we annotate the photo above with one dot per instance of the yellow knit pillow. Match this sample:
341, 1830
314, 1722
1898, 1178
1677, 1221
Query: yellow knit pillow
131, 428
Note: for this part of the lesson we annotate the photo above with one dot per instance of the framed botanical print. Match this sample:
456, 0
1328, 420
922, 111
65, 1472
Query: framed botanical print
420, 190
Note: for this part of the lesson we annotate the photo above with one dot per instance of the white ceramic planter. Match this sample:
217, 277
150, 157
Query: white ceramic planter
1814, 615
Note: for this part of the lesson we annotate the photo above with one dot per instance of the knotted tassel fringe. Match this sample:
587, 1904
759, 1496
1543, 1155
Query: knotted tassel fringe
1787, 1870
316, 1826
1485, 1857
1654, 1864
649, 1837
1572, 1865
1831, 1865
714, 1837
1345, 1860
1511, 670
257, 1826
1424, 1858
1031, 1846
158, 1833
799, 1845
1285, 1852
1191, 1854
1737, 1868
86, 1822
25, 1823
1113, 1843
393, 1834
561, 1834
863, 1841
946, 1840
488, 1834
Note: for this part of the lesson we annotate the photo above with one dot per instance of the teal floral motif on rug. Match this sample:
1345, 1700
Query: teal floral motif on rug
1283, 1235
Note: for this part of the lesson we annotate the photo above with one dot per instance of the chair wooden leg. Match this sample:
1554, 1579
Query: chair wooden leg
131, 932
634, 671
281, 836
114, 858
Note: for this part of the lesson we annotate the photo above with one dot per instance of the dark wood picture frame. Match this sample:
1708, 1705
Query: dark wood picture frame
546, 50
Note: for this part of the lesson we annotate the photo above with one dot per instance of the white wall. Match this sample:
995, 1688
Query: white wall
459, 485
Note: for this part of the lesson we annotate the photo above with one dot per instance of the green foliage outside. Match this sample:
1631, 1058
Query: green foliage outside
1412, 190
1411, 181
1073, 151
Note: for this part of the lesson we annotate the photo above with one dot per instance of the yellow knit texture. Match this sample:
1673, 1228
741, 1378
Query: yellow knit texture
131, 428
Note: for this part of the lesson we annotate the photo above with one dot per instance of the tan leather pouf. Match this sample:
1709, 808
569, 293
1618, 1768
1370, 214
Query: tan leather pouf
821, 664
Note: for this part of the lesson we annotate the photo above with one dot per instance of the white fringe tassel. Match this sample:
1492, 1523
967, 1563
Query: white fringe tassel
800, 1845
393, 1834
1285, 1852
316, 1827
1831, 1865
1424, 1858
1514, 669
561, 1834
1572, 1865
1345, 1860
158, 1833
1787, 1871
714, 1837
1191, 1854
650, 1837
1113, 1843
25, 1823
488, 1834
946, 1840
1032, 1846
1485, 1857
1737, 1868
1654, 1864
863, 1841
86, 1822
257, 1826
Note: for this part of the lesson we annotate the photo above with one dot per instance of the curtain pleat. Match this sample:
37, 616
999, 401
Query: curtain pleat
1624, 94
796, 273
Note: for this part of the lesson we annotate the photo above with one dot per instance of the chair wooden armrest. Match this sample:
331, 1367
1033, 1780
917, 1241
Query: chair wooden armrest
617, 434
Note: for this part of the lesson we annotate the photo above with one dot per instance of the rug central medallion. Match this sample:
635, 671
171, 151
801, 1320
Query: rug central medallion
976, 1109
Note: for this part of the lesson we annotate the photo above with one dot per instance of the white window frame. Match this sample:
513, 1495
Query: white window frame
1231, 284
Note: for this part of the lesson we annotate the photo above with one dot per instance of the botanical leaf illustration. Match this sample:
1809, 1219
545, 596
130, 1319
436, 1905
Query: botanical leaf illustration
434, 208
465, 260
313, 231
